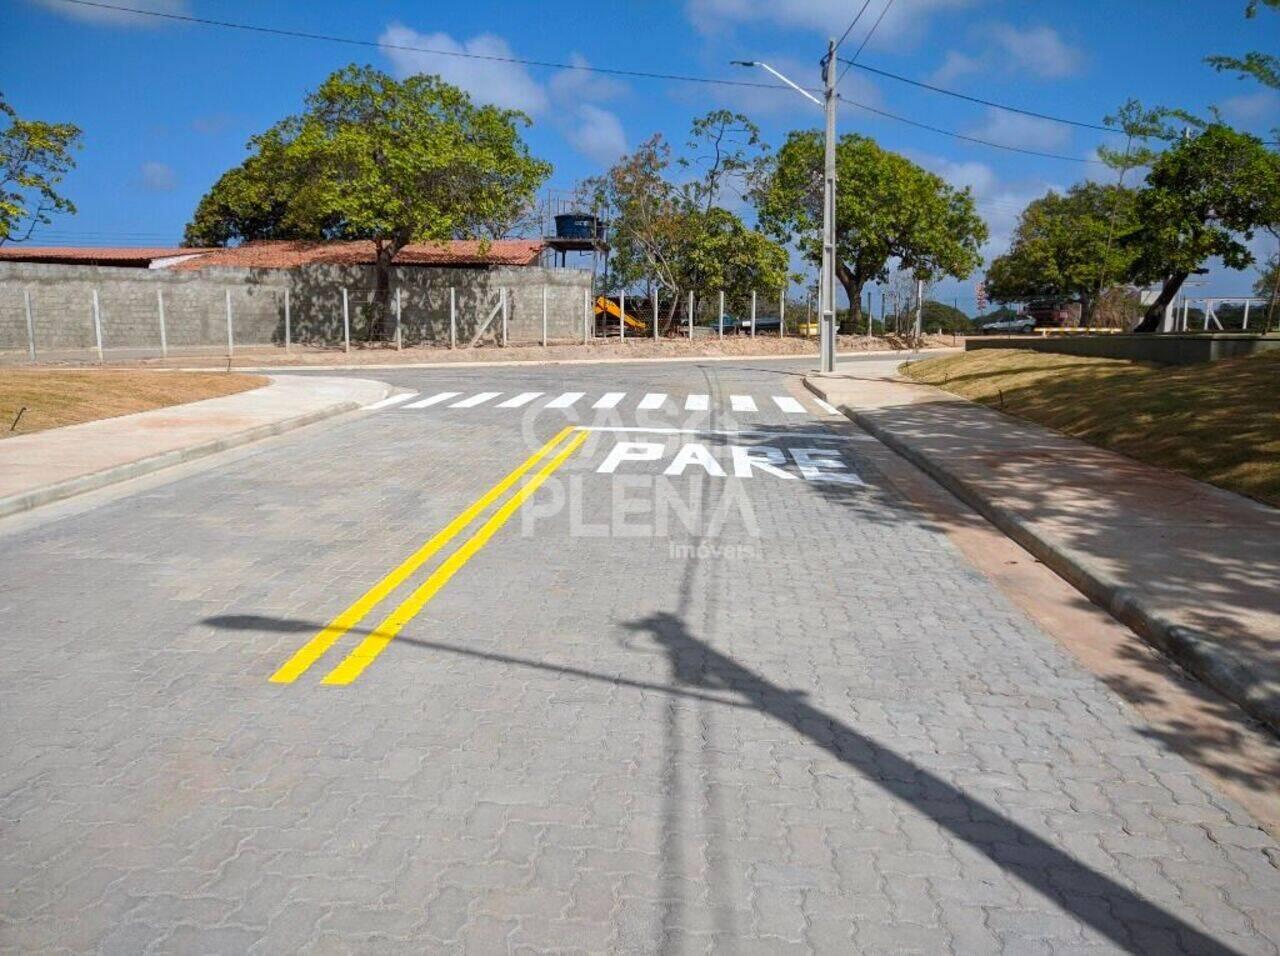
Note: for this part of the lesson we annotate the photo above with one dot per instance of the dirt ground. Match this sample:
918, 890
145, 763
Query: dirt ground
32, 400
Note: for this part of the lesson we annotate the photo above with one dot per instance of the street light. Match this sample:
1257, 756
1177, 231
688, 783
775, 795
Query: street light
827, 280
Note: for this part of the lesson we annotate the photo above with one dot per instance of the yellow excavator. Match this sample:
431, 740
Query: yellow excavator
606, 306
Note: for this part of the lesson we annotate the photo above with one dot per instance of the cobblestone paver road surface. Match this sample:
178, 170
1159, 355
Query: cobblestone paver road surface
683, 698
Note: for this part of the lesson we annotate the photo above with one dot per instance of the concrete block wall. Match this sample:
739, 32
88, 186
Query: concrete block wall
196, 314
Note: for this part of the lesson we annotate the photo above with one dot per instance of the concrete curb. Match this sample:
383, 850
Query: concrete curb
16, 504
1194, 650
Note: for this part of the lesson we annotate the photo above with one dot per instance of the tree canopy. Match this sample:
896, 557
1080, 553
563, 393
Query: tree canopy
34, 158
1063, 246
372, 157
887, 208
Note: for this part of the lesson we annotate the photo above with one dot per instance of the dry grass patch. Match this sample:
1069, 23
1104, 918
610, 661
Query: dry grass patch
1218, 422
56, 398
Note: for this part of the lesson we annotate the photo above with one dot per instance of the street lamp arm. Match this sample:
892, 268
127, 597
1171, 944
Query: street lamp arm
795, 86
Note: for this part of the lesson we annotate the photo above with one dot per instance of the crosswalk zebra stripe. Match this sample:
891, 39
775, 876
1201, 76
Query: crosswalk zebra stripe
827, 407
565, 400
742, 403
434, 400
788, 404
478, 399
653, 400
524, 398
696, 403
393, 400
610, 400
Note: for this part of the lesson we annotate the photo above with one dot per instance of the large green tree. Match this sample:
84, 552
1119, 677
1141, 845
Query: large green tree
1063, 243
372, 157
887, 208
34, 157
1204, 197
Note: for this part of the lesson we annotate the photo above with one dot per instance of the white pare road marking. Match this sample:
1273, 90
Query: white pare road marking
747, 461
742, 403
524, 398
697, 403
789, 405
478, 399
610, 400
565, 400
827, 407
652, 400
434, 400
393, 400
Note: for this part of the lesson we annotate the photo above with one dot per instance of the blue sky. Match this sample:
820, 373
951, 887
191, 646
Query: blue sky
167, 107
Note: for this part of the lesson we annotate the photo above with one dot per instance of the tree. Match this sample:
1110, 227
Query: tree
939, 315
34, 157
375, 158
673, 234
1063, 242
1204, 197
887, 208
1263, 67
1268, 287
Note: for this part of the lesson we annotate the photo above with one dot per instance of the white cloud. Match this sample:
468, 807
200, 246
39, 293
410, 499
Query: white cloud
508, 85
1008, 50
1027, 132
1251, 107
954, 65
597, 134
581, 85
905, 19
158, 177
118, 18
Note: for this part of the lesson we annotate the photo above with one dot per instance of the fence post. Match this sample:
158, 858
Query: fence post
782, 313
399, 328
453, 317
504, 317
346, 322
1246, 315
722, 314
690, 315
586, 313
753, 313
231, 342
31, 324
656, 287
544, 315
622, 315
288, 330
164, 342
97, 325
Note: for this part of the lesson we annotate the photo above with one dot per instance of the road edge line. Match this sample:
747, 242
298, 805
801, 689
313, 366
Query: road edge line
1194, 650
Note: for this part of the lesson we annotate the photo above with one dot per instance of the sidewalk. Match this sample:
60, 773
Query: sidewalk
1192, 569
50, 465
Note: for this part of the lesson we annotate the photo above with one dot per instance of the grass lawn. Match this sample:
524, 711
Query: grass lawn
56, 398
1218, 422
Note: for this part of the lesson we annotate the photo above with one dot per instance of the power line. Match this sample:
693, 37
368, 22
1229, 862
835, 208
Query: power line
976, 99
350, 41
844, 36
967, 139
870, 33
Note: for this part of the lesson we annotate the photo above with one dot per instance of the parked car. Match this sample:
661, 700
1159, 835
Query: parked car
1010, 326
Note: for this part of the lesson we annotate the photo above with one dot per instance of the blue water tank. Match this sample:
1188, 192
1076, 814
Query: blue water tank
575, 226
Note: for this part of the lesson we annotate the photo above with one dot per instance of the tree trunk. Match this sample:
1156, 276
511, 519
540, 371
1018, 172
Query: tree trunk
1155, 311
853, 291
1275, 297
1088, 306
380, 321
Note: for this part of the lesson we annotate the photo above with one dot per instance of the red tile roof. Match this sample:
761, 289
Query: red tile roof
286, 254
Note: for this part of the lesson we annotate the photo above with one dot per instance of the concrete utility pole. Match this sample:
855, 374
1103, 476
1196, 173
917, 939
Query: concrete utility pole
827, 278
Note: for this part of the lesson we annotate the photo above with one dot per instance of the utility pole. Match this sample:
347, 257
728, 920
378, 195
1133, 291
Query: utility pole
827, 359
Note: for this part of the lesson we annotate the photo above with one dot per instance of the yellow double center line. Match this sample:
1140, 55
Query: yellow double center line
376, 641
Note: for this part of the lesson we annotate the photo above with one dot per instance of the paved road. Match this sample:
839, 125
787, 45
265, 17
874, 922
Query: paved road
693, 679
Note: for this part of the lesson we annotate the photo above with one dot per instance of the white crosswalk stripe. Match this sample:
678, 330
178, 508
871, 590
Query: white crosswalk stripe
827, 407
653, 400
474, 400
696, 403
565, 400
393, 400
789, 405
524, 398
742, 403
610, 400
434, 400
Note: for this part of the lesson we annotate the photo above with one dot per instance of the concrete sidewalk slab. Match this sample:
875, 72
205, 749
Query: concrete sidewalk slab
1192, 569
51, 465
